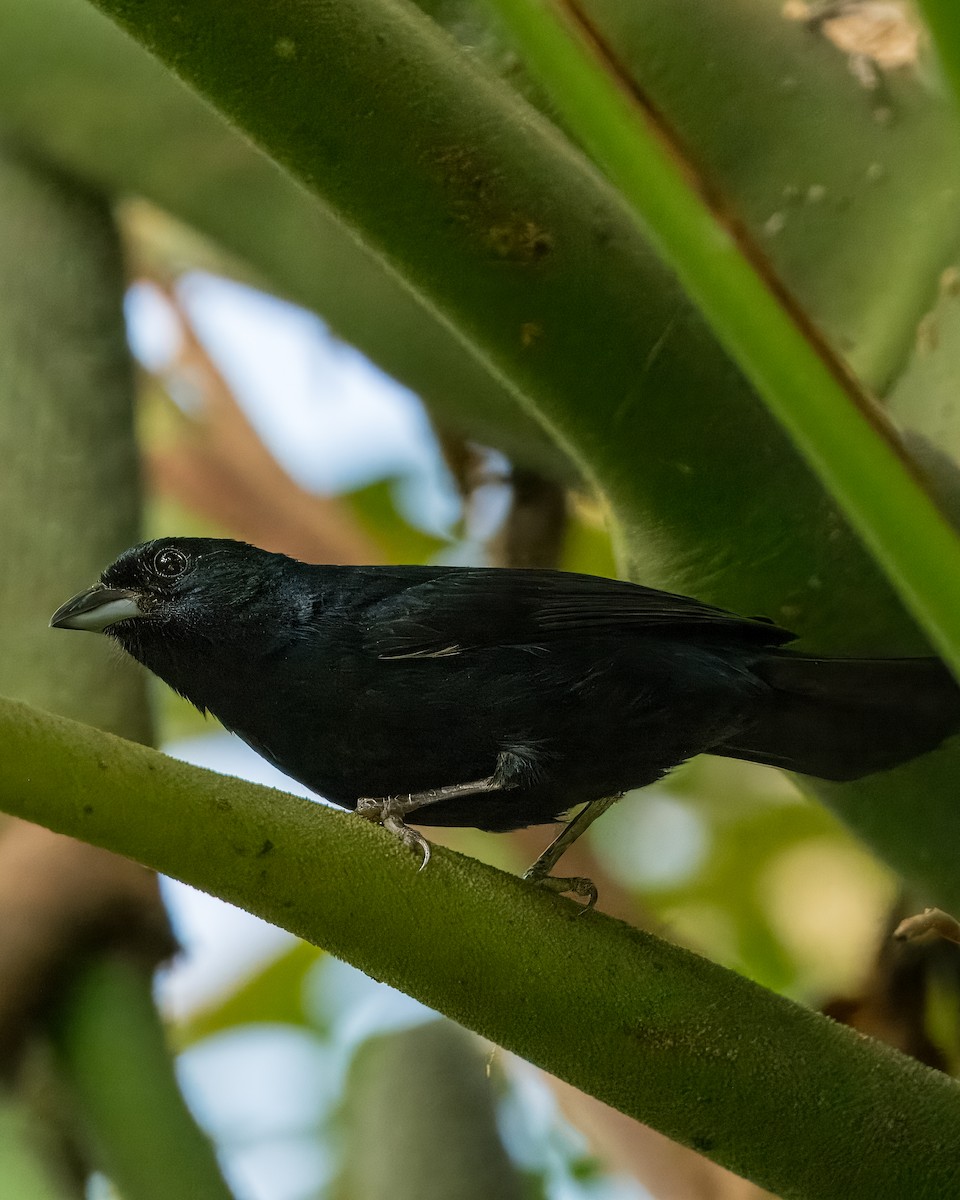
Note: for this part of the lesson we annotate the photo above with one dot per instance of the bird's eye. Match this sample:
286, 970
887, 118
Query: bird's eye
169, 562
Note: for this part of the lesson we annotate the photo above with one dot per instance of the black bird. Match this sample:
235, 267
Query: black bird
494, 698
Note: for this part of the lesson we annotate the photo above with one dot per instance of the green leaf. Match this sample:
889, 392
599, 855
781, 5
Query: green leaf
856, 454
79, 92
848, 189
941, 17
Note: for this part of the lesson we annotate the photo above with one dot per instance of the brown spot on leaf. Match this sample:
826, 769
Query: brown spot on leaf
479, 200
520, 240
928, 334
950, 282
883, 34
530, 332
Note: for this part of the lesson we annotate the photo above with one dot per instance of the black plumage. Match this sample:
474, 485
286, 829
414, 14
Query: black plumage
385, 681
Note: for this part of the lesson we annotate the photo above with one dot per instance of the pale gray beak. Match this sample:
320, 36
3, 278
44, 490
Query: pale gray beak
96, 608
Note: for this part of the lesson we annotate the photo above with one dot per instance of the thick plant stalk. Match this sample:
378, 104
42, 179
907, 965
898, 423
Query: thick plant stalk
803, 1106
69, 496
69, 499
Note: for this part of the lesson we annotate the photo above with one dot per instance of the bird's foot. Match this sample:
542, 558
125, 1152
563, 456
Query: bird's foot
578, 885
388, 811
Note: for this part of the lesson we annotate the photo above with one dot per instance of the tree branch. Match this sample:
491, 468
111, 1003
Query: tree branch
694, 1050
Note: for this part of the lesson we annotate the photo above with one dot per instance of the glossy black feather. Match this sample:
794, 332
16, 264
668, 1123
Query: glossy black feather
376, 681
471, 608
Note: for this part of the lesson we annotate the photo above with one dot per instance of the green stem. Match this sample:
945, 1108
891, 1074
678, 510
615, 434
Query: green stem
69, 499
116, 1061
844, 438
803, 1106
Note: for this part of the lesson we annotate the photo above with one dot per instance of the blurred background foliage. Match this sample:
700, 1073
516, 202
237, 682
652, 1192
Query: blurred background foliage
293, 393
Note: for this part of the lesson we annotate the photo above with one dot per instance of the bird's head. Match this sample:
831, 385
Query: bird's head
189, 583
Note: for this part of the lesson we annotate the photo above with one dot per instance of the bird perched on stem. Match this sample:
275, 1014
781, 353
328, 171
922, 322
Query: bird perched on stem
495, 698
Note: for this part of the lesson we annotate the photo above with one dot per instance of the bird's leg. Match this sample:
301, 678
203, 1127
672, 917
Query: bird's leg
580, 886
389, 811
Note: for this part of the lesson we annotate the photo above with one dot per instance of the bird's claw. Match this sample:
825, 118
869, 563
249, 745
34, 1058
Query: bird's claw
416, 841
383, 811
579, 885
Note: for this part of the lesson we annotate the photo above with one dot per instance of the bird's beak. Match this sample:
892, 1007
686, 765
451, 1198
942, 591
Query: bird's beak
96, 608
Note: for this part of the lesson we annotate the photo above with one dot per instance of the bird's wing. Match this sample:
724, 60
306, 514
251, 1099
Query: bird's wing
463, 609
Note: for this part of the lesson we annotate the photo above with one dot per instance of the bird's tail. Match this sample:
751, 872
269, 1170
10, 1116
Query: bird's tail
840, 719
